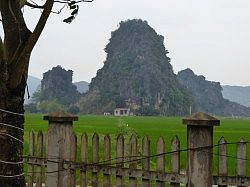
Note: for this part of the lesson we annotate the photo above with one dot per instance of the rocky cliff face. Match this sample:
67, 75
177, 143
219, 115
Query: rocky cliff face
137, 73
208, 96
57, 84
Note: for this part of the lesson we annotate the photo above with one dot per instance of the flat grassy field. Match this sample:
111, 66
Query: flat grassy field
167, 127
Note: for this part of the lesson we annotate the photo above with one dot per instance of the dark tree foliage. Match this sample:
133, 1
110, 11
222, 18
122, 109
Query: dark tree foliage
137, 73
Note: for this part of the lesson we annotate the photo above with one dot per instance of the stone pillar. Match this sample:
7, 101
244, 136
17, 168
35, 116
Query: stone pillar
58, 146
200, 145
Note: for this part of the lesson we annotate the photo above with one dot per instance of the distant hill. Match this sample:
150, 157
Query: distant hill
137, 74
82, 86
57, 86
34, 84
208, 96
238, 94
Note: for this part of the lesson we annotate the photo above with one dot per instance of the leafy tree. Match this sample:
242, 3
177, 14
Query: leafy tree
49, 106
73, 109
36, 96
15, 51
31, 108
147, 111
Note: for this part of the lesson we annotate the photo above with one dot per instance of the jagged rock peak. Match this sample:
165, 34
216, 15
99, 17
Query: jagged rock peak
189, 73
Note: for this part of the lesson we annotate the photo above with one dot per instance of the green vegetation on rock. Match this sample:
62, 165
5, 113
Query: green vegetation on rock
137, 74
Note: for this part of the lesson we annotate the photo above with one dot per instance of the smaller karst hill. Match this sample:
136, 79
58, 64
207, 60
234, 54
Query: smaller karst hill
57, 85
137, 74
208, 96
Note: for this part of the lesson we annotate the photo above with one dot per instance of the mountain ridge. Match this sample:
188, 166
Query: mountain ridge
238, 94
208, 95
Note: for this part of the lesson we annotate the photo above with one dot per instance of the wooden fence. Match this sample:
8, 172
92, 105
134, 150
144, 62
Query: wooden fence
59, 166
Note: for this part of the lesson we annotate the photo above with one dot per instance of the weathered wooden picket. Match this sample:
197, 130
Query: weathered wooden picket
58, 167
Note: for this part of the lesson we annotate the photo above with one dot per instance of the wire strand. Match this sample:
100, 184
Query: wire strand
11, 176
14, 138
10, 112
79, 165
139, 158
12, 126
12, 163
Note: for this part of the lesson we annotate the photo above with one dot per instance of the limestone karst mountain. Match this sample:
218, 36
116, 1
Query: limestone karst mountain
137, 74
208, 96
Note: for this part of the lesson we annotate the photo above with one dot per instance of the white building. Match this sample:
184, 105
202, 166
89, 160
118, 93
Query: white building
122, 112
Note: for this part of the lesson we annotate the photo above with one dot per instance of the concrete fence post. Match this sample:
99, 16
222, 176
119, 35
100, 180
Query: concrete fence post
60, 129
200, 160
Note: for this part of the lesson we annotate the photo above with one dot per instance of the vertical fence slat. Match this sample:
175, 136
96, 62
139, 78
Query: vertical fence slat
160, 165
67, 154
73, 152
222, 159
39, 178
95, 159
31, 160
84, 160
46, 145
53, 156
120, 159
107, 157
145, 162
241, 167
133, 156
46, 154
175, 158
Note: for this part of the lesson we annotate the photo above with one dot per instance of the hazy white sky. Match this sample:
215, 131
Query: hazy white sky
212, 37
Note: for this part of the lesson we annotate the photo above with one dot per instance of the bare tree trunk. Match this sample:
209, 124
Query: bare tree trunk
11, 148
15, 52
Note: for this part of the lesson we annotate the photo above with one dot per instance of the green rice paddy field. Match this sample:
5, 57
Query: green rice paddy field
167, 127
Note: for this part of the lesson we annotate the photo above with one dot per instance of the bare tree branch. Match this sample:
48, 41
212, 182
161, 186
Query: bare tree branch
17, 65
41, 24
15, 29
34, 5
59, 11
79, 1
